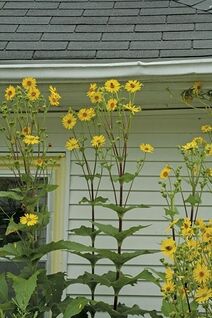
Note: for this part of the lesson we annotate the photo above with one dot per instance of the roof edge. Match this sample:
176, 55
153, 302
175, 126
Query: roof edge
91, 71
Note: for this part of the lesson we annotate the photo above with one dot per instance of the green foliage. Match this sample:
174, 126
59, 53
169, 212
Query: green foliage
114, 232
24, 289
3, 289
121, 210
74, 307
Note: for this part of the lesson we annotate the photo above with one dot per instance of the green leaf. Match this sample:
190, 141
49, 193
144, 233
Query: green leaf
125, 178
147, 276
92, 258
123, 311
50, 187
13, 227
193, 199
110, 279
171, 212
3, 289
114, 232
91, 280
121, 210
11, 195
60, 245
120, 260
24, 288
167, 308
75, 307
98, 200
85, 231
13, 249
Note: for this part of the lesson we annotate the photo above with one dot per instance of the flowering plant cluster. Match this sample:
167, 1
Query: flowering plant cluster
187, 289
31, 292
99, 142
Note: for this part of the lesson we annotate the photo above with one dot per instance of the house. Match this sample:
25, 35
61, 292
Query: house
165, 44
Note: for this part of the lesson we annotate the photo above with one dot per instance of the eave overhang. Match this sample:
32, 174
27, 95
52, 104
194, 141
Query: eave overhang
74, 72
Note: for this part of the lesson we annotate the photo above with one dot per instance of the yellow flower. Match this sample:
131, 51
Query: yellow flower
10, 93
189, 146
112, 86
96, 97
208, 149
72, 144
168, 247
39, 162
112, 104
33, 93
29, 82
54, 98
169, 274
69, 121
209, 172
165, 172
206, 128
203, 294
133, 86
31, 140
197, 87
29, 219
92, 89
132, 108
171, 225
199, 140
200, 223
168, 287
186, 228
146, 148
201, 273
86, 114
207, 235
26, 131
98, 141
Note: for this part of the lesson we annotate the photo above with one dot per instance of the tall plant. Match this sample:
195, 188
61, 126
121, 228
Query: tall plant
32, 291
100, 144
187, 289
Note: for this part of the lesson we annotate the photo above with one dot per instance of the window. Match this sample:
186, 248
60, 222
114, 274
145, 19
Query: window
54, 230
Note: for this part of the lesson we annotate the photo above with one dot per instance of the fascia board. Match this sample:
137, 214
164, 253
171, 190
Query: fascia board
74, 72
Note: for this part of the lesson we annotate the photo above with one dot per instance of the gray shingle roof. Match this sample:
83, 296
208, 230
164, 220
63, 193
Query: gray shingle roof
105, 29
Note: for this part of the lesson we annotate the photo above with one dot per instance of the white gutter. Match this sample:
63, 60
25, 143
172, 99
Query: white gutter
93, 71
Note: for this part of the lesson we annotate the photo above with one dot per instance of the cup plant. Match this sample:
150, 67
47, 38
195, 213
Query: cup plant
99, 143
32, 291
187, 287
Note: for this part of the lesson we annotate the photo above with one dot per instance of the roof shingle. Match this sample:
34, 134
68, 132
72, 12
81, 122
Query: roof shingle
104, 29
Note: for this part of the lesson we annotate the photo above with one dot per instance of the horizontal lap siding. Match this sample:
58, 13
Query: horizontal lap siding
165, 132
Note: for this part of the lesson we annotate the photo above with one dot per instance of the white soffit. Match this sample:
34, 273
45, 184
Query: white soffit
79, 72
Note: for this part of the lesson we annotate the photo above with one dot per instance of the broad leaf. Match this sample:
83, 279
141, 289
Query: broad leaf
121, 210
75, 307
60, 245
114, 232
193, 199
91, 280
110, 279
3, 289
11, 195
13, 227
24, 288
125, 178
171, 212
85, 231
120, 259
98, 200
16, 249
91, 257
